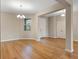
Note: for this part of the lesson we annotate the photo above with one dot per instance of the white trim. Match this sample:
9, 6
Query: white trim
9, 40
28, 38
75, 40
55, 37
17, 39
70, 51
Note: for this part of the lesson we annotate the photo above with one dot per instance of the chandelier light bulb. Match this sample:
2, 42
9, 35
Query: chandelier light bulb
20, 16
23, 16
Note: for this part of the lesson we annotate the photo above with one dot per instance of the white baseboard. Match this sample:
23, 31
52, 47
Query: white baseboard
9, 40
17, 39
27, 38
70, 51
75, 40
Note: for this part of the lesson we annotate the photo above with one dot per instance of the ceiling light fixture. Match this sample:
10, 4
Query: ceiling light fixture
21, 16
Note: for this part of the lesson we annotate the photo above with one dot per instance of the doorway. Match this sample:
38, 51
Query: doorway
52, 28
53, 25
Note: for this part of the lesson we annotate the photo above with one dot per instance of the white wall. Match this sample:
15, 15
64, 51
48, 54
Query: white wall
61, 26
75, 26
0, 26
13, 28
75, 20
52, 26
9, 27
57, 27
43, 26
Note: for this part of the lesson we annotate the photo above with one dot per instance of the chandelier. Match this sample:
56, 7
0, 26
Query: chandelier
21, 16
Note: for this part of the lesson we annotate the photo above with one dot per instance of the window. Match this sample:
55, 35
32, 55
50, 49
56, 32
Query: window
27, 24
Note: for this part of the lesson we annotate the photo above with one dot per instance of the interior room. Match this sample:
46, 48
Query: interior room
54, 25
39, 29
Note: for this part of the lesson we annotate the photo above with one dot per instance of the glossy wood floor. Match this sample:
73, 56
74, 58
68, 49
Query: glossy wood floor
30, 49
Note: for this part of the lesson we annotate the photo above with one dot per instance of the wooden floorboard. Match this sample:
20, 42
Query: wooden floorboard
29, 49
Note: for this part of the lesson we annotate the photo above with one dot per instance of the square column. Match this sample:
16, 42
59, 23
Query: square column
69, 30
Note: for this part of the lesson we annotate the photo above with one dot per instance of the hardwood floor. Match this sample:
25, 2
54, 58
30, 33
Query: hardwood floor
30, 49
